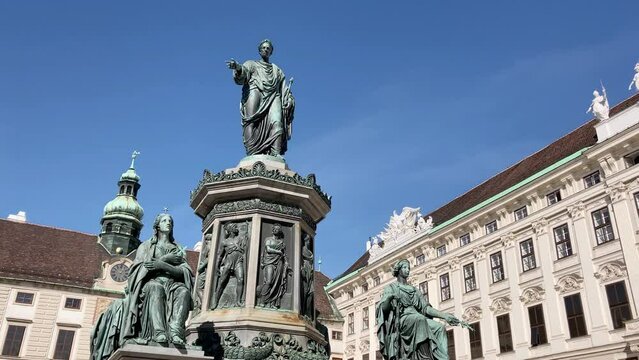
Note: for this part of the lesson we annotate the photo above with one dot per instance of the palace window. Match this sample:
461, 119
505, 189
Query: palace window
464, 240
491, 227
423, 287
365, 357
64, 344
365, 318
637, 201
497, 267
13, 340
420, 259
521, 213
469, 277
505, 334
24, 298
441, 251
603, 226
451, 344
537, 325
527, 255
336, 335
618, 303
444, 285
350, 294
364, 287
575, 316
351, 324
72, 303
376, 281
475, 342
562, 241
592, 179
554, 197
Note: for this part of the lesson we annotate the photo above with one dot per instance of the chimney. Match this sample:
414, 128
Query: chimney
21, 216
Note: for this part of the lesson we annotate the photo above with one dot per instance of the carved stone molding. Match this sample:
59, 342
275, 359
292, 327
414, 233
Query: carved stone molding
632, 325
501, 305
398, 231
532, 295
540, 226
634, 348
453, 263
568, 283
260, 170
430, 273
350, 349
364, 345
256, 204
430, 252
617, 191
508, 240
611, 271
576, 211
479, 252
472, 314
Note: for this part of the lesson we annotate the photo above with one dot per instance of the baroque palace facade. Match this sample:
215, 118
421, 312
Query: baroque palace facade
542, 259
54, 283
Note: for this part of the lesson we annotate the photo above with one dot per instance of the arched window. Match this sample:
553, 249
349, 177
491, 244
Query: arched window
128, 190
121, 189
108, 227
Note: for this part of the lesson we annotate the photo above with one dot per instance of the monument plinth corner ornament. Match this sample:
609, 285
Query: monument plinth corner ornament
254, 285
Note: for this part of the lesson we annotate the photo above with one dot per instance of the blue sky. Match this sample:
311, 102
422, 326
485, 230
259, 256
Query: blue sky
398, 103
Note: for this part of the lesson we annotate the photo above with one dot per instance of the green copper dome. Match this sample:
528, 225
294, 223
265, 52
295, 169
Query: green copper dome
124, 205
130, 175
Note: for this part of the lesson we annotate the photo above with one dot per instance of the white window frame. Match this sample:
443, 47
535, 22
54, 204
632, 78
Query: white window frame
587, 183
520, 213
488, 227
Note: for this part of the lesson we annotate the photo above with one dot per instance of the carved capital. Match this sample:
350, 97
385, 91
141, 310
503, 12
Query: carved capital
611, 271
350, 349
569, 283
453, 263
508, 240
532, 295
501, 305
576, 211
617, 191
430, 273
479, 252
540, 226
364, 345
472, 314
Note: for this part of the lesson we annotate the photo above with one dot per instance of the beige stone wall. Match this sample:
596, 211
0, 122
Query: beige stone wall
586, 272
47, 315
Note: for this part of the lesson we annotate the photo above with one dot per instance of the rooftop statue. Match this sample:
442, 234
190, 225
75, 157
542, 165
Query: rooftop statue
267, 104
157, 297
599, 105
405, 319
635, 79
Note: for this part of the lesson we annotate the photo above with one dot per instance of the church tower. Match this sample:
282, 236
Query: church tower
122, 219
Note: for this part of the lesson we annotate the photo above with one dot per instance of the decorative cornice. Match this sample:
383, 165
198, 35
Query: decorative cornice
364, 345
569, 283
472, 314
611, 271
501, 305
256, 204
430, 273
260, 170
350, 349
532, 295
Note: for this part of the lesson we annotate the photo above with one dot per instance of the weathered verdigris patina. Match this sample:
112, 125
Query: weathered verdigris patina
157, 301
406, 326
306, 274
267, 104
276, 268
231, 262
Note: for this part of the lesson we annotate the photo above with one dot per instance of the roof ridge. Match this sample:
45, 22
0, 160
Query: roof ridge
48, 227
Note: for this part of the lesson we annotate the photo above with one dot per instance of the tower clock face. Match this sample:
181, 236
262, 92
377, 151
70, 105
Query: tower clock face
120, 272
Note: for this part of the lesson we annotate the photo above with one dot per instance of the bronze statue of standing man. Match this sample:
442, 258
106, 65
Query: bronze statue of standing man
267, 104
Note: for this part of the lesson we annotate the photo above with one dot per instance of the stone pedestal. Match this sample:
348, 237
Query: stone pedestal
256, 269
141, 352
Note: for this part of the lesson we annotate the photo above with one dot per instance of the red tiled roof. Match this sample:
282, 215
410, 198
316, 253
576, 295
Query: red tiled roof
322, 301
42, 253
64, 257
582, 137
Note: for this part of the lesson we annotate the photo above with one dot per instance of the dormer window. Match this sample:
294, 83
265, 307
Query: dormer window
554, 197
592, 179
491, 227
521, 213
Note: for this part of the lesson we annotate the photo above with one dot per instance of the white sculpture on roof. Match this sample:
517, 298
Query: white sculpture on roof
400, 228
599, 105
635, 79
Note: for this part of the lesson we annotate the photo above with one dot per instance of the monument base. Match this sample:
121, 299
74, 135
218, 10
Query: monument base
142, 352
